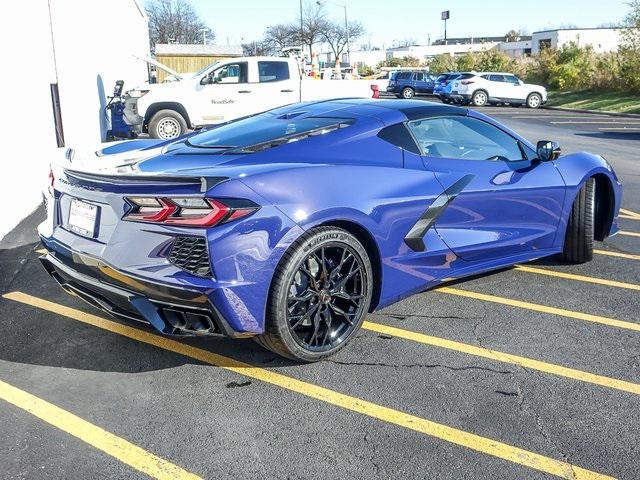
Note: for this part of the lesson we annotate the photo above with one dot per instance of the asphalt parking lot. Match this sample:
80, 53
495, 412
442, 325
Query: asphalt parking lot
530, 372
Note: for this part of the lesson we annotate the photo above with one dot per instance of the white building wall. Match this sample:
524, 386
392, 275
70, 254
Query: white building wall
92, 46
601, 39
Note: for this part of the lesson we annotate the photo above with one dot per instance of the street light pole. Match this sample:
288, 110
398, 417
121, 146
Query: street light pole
346, 29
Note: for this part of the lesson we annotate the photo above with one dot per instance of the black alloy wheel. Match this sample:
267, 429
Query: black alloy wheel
321, 293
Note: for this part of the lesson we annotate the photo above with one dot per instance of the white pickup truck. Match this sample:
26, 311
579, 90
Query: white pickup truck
227, 90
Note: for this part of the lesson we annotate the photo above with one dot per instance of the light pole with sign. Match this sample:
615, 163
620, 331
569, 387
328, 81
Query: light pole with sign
445, 17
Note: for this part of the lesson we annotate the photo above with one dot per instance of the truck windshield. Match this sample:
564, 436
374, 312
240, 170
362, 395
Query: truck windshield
202, 70
264, 131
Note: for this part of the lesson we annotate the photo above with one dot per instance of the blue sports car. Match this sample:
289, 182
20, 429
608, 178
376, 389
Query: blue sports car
291, 225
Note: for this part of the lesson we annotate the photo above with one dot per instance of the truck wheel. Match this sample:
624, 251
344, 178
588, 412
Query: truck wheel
408, 93
167, 124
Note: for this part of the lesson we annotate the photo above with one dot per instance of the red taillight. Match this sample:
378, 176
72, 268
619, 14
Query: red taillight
376, 91
445, 83
187, 211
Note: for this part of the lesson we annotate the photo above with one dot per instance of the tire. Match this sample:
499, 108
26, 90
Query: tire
534, 100
408, 93
445, 100
289, 327
578, 241
479, 98
167, 124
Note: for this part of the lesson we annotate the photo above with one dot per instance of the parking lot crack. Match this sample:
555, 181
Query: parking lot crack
528, 410
421, 365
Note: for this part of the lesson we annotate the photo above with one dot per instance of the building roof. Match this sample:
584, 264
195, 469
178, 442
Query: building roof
198, 49
578, 29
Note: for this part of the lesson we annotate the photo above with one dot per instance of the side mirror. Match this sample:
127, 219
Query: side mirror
206, 80
548, 150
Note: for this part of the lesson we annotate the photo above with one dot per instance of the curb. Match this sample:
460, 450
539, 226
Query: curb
595, 112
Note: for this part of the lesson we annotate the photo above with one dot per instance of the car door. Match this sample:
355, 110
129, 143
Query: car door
224, 94
514, 88
276, 84
419, 82
497, 87
502, 202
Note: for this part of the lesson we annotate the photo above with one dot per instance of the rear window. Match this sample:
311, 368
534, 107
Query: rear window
265, 129
273, 71
464, 76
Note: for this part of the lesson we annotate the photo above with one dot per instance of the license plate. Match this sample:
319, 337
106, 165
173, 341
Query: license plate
82, 218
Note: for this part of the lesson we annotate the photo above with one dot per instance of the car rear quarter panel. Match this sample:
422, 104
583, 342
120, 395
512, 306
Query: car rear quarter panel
385, 201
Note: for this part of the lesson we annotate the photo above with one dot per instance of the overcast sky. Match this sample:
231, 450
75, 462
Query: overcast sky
394, 20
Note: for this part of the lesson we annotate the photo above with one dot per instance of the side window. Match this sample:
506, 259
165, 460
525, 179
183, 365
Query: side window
465, 138
496, 78
231, 73
419, 77
273, 71
512, 79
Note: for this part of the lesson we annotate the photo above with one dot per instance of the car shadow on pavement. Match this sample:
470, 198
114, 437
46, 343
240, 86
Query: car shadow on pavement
619, 135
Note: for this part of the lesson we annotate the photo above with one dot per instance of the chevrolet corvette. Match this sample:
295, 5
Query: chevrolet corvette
291, 225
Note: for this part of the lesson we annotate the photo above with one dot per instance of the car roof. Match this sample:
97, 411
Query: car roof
412, 109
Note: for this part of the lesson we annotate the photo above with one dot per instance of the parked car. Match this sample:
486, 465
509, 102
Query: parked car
291, 225
440, 84
482, 88
227, 90
408, 84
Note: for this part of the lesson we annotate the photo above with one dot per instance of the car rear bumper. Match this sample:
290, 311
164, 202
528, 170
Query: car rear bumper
170, 310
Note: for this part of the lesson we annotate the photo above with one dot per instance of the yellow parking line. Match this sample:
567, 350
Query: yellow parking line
541, 308
379, 412
495, 355
41, 251
628, 217
120, 449
629, 234
611, 253
630, 213
580, 278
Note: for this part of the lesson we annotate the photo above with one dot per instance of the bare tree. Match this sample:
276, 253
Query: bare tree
313, 23
258, 48
335, 35
175, 21
512, 36
281, 36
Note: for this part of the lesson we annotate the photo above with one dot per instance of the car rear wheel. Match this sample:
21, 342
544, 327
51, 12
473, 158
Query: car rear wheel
319, 296
167, 124
408, 93
578, 241
534, 100
480, 98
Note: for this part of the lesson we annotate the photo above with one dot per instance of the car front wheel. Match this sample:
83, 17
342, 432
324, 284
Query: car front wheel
319, 296
167, 124
534, 100
578, 241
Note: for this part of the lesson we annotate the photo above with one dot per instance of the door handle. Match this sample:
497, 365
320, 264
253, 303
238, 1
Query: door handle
244, 91
286, 91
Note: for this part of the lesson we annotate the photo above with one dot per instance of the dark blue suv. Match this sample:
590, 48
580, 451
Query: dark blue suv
408, 84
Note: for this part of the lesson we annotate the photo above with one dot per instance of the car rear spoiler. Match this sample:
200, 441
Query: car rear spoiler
83, 178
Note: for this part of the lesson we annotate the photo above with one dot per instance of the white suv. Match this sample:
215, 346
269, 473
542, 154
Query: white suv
480, 88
